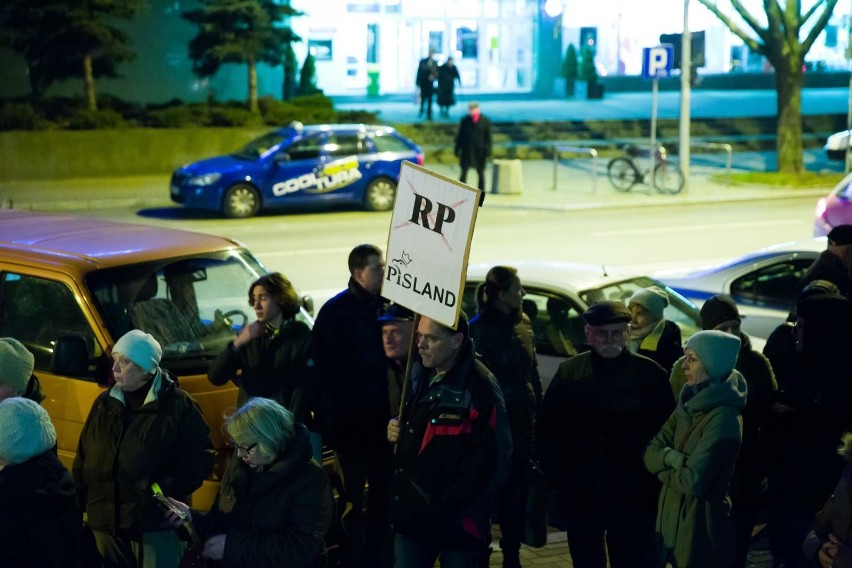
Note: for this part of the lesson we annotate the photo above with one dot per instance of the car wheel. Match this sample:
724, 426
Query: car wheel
241, 201
380, 194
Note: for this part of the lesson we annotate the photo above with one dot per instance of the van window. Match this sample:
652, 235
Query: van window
38, 311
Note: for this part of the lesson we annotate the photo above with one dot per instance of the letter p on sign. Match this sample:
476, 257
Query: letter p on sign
657, 61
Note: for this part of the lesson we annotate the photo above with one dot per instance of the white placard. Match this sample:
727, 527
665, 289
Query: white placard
429, 242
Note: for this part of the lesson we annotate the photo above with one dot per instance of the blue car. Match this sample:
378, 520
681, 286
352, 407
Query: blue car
300, 165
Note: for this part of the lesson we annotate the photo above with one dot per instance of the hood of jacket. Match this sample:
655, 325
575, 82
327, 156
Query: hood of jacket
730, 392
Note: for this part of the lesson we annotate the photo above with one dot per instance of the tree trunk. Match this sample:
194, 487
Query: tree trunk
788, 144
252, 85
89, 83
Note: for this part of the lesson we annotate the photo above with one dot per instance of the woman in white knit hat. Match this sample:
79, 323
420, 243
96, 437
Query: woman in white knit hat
40, 520
650, 334
694, 454
143, 430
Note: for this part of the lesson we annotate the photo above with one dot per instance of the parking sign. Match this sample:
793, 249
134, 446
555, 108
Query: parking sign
657, 61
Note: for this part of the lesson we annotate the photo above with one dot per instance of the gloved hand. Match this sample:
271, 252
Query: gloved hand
674, 459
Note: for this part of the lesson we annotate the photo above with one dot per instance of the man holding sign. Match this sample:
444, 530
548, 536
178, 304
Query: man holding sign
452, 455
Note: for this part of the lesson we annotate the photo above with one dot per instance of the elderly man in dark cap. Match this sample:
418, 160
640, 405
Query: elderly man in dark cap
600, 411
834, 263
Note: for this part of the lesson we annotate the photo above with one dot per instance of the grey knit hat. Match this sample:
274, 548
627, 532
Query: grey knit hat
16, 364
653, 298
717, 352
25, 430
141, 348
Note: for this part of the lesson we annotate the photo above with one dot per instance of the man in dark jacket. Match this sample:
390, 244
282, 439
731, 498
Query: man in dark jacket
144, 430
598, 415
453, 450
834, 263
473, 144
40, 521
397, 328
427, 72
354, 404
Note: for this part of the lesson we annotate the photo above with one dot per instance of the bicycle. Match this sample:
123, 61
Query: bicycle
623, 171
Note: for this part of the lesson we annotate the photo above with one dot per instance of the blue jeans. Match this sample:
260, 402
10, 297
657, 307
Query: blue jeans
412, 553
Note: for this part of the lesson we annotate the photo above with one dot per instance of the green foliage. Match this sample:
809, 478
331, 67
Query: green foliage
802, 179
175, 117
314, 100
569, 64
357, 117
86, 119
588, 71
18, 116
54, 36
239, 31
308, 76
291, 67
229, 116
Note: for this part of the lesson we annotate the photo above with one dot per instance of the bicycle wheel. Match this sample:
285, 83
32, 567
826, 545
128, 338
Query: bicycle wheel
622, 174
668, 178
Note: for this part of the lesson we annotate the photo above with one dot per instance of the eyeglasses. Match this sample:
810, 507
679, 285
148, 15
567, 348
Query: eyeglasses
245, 449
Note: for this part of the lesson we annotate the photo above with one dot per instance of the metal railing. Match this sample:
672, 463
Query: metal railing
557, 150
720, 146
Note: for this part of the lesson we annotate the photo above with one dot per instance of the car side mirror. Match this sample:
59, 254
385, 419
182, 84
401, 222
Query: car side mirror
282, 157
70, 357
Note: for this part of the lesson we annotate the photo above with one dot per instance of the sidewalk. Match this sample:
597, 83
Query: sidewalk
575, 189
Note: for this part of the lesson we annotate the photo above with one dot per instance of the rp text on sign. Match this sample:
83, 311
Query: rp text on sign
429, 243
657, 61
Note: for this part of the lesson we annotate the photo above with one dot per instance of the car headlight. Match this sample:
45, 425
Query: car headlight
205, 179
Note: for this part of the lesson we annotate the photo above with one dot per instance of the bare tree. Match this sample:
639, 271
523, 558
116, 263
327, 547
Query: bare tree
781, 41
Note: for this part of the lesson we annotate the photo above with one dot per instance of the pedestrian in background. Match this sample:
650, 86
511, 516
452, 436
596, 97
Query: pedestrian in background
354, 406
650, 334
274, 503
598, 414
274, 353
453, 449
694, 455
834, 263
448, 76
427, 72
473, 144
40, 520
503, 337
811, 413
829, 544
720, 313
144, 430
16, 371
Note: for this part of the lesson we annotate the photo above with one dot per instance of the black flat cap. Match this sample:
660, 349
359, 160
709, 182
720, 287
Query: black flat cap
841, 235
396, 312
606, 312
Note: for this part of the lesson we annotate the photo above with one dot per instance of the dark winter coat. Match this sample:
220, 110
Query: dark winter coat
447, 78
452, 454
278, 517
754, 451
835, 517
427, 71
505, 344
473, 141
829, 267
597, 417
353, 372
279, 367
40, 521
122, 452
694, 515
664, 344
780, 349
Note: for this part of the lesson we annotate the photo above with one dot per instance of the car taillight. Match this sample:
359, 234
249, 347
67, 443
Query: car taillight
419, 159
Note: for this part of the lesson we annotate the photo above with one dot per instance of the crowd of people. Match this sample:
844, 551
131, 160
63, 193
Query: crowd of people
657, 453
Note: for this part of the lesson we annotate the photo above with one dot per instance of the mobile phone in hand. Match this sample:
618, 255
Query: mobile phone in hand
158, 495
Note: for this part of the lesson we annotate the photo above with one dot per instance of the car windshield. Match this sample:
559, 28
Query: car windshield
680, 310
259, 146
193, 306
844, 190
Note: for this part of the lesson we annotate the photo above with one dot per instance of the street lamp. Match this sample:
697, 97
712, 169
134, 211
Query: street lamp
685, 92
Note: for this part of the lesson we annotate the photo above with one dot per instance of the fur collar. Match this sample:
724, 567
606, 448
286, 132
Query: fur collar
845, 448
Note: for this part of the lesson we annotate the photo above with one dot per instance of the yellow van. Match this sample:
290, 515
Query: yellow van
71, 286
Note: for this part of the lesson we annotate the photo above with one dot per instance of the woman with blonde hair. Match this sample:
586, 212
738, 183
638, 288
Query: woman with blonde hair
274, 502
